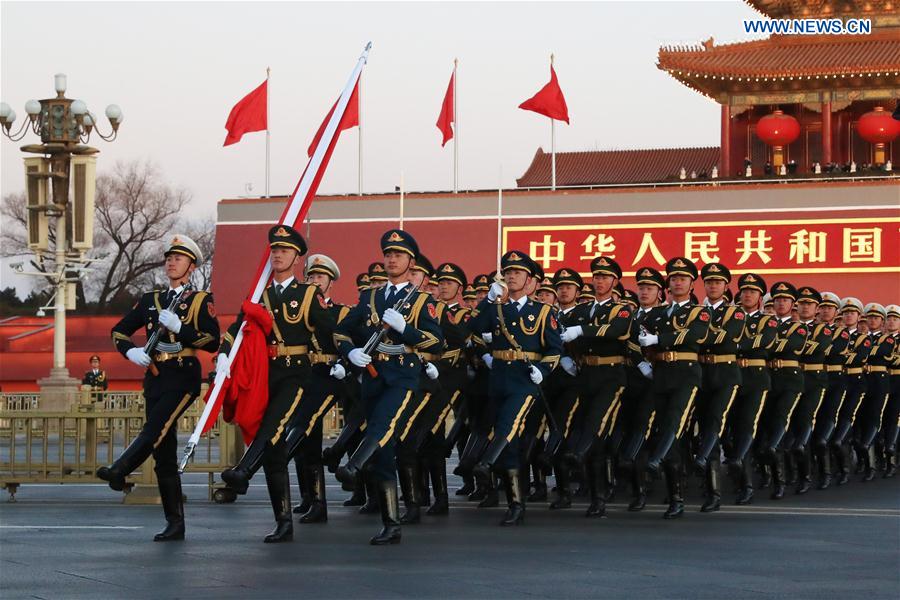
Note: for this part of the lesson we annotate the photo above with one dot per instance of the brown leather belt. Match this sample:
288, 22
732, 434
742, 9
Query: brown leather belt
318, 359
784, 364
834, 368
814, 368
752, 362
513, 355
715, 359
600, 361
875, 369
164, 356
672, 356
854, 371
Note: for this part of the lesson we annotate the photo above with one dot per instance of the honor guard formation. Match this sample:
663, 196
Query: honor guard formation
777, 386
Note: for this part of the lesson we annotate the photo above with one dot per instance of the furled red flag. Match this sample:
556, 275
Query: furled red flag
350, 119
549, 101
445, 120
248, 115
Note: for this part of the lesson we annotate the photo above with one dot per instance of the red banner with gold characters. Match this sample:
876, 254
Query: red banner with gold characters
848, 245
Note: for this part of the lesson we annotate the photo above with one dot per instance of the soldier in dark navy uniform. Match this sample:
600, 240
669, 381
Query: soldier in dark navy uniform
871, 411
393, 370
173, 380
525, 347
891, 417
296, 310
673, 335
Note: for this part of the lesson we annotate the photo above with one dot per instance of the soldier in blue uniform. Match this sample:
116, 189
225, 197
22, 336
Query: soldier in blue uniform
891, 418
393, 370
525, 347
878, 388
673, 335
172, 381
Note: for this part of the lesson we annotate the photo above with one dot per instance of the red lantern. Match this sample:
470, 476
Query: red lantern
878, 127
778, 130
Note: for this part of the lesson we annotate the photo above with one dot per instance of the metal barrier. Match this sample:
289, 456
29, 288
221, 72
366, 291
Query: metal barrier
39, 446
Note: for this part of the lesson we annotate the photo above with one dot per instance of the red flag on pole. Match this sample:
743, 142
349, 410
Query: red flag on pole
248, 115
549, 101
445, 120
349, 120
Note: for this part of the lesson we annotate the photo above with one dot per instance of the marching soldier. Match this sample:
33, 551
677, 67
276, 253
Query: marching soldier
892, 412
482, 285
674, 334
855, 355
96, 378
393, 369
637, 405
877, 386
326, 386
587, 293
362, 282
721, 377
815, 383
525, 348
602, 334
836, 389
787, 382
172, 381
377, 275
469, 297
546, 292
295, 310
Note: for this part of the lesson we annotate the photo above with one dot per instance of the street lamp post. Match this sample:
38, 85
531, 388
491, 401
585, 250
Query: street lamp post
64, 126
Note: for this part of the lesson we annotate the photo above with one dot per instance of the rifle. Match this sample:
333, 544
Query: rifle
153, 340
377, 336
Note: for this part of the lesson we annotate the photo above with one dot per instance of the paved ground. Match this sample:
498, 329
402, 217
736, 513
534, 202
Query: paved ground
79, 541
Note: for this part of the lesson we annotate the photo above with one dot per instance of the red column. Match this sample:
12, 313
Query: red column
826, 132
725, 143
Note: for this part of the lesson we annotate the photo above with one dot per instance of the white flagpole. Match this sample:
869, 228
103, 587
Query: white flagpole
552, 146
402, 189
268, 95
360, 136
499, 219
455, 130
290, 216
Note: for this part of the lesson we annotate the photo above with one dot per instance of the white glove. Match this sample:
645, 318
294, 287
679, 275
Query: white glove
359, 358
536, 376
470, 372
170, 321
394, 319
572, 333
223, 365
568, 365
431, 371
496, 291
646, 369
487, 337
648, 339
138, 357
488, 359
338, 371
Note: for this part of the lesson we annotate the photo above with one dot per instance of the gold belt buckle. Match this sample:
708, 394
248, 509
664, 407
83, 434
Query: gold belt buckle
669, 356
163, 357
743, 363
777, 363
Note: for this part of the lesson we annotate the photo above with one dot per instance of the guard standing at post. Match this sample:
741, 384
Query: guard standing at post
172, 381
96, 378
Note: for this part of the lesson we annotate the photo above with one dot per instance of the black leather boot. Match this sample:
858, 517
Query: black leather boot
318, 507
804, 481
173, 507
659, 453
563, 490
475, 445
890, 465
409, 487
424, 488
359, 496
823, 455
349, 473
390, 510
707, 444
305, 494
842, 458
238, 476
609, 478
638, 489
371, 505
596, 471
134, 456
482, 470
491, 494
437, 469
745, 494
868, 461
515, 498
778, 481
347, 439
468, 486
280, 496
673, 487
713, 487
540, 485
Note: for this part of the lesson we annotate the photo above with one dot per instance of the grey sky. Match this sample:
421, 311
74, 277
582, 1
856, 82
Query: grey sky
176, 69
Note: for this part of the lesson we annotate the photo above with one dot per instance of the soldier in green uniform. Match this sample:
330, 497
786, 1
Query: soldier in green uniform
673, 334
787, 382
172, 381
96, 379
601, 335
815, 383
721, 377
836, 389
892, 411
297, 311
878, 388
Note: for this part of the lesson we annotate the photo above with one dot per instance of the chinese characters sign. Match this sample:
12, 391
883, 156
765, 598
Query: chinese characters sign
777, 246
